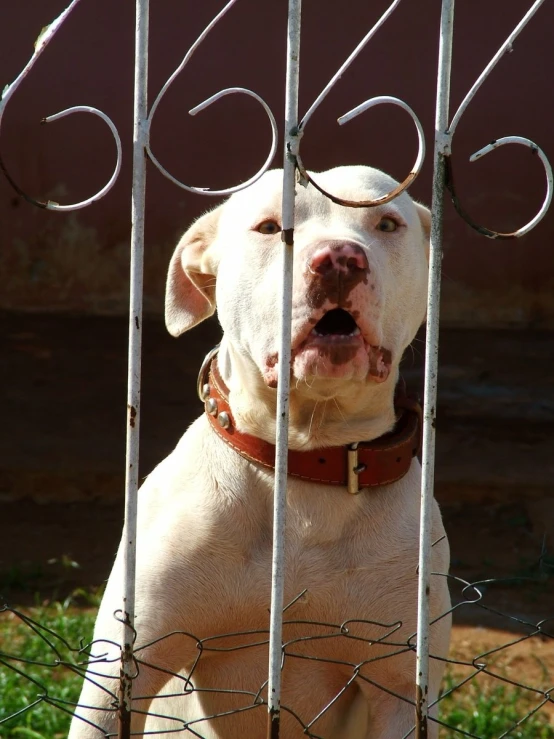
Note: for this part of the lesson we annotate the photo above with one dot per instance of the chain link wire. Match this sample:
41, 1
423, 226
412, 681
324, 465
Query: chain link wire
302, 640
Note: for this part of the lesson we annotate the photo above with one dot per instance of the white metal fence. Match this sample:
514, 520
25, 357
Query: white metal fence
294, 130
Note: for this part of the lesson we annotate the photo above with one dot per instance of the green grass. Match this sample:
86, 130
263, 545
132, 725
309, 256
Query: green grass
52, 680
490, 710
485, 710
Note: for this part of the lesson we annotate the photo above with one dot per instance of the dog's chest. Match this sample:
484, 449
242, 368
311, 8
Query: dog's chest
342, 556
345, 556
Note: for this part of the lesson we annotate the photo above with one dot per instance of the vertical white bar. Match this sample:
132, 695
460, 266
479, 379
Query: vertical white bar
442, 149
140, 137
283, 386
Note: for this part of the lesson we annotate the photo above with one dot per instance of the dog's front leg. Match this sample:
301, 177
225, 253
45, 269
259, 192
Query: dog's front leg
97, 712
392, 708
159, 652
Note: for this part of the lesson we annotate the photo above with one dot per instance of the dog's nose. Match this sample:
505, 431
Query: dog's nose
339, 256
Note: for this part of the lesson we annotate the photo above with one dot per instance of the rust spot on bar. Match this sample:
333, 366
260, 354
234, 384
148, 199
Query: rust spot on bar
125, 688
132, 415
124, 722
124, 710
421, 720
274, 723
288, 236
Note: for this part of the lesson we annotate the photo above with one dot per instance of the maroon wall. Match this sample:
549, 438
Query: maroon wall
78, 262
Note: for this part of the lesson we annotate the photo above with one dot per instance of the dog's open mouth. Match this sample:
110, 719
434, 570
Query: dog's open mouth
336, 323
337, 346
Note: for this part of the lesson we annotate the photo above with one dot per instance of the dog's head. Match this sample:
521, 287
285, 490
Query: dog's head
359, 289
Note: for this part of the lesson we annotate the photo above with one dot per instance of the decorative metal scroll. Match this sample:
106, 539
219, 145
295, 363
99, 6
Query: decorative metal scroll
445, 138
294, 167
47, 35
41, 43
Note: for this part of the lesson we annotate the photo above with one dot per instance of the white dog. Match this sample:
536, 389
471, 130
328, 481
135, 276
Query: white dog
205, 513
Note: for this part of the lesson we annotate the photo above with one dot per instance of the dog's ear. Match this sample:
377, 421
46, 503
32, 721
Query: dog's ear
190, 287
425, 217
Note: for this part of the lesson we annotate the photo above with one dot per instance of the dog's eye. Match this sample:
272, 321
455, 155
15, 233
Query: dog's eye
268, 228
387, 224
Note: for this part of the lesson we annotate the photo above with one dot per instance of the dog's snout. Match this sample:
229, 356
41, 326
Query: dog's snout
339, 256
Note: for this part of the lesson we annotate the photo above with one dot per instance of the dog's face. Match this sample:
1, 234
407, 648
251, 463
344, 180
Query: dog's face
359, 287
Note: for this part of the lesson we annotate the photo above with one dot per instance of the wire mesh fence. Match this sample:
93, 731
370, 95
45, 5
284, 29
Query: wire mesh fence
46, 652
323, 674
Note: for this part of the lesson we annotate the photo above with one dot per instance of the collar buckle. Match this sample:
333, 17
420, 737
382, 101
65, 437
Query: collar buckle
353, 468
352, 483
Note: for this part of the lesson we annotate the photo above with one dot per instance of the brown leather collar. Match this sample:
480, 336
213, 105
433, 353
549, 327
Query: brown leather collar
354, 466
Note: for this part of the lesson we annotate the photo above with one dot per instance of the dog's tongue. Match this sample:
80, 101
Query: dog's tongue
379, 363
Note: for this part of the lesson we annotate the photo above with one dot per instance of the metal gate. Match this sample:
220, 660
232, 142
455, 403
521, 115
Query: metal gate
295, 128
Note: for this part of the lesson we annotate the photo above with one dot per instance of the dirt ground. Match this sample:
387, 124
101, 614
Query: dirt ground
517, 662
62, 394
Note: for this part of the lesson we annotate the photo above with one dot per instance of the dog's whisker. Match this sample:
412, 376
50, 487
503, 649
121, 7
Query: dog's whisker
322, 415
411, 348
344, 419
308, 384
312, 418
